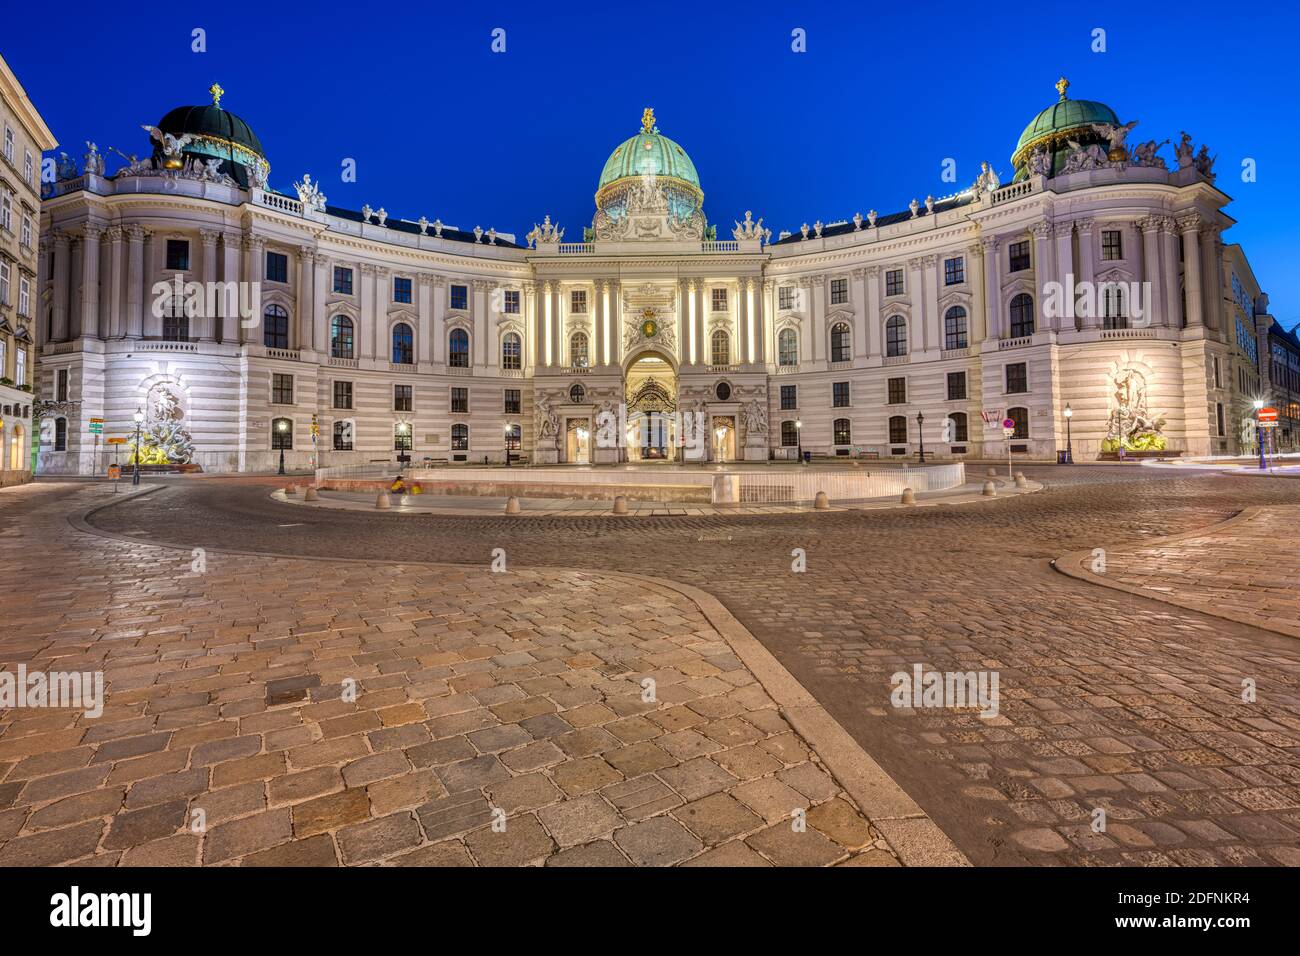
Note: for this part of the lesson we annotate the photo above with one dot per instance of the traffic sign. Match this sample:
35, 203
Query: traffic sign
115, 440
1008, 432
1268, 415
96, 426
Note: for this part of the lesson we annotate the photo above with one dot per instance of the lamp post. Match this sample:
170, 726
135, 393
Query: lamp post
281, 426
139, 420
1259, 432
507, 443
920, 434
798, 437
1069, 448
403, 459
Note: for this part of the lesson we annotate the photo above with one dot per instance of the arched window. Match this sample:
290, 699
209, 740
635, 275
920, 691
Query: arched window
459, 437
840, 340
721, 354
960, 430
458, 349
60, 434
578, 350
954, 328
787, 348
842, 432
341, 341
1022, 316
1113, 313
511, 351
897, 430
281, 434
1021, 417
577, 394
403, 345
789, 434
896, 336
275, 327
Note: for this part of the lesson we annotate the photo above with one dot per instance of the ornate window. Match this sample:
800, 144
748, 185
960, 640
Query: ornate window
341, 341
1113, 313
787, 348
342, 436
897, 430
282, 434
275, 327
1021, 417
458, 349
896, 336
721, 354
511, 351
842, 432
578, 357
459, 437
1022, 316
403, 345
789, 434
577, 394
723, 391
840, 339
960, 429
954, 328
60, 434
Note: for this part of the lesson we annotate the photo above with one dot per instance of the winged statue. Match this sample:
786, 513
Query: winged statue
171, 145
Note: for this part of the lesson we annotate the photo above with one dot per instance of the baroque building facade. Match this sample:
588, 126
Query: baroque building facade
246, 323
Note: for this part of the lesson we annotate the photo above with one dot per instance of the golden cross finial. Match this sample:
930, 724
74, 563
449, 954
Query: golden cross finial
648, 120
216, 91
1062, 85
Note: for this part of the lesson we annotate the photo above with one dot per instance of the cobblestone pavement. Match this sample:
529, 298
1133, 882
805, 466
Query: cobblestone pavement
1246, 569
476, 692
1109, 701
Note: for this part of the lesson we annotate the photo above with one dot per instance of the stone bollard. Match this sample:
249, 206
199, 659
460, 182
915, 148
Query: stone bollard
382, 501
821, 502
991, 473
620, 505
990, 489
1021, 481
310, 494
512, 505
290, 491
909, 496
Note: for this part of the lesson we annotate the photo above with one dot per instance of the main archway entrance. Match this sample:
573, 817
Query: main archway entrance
651, 389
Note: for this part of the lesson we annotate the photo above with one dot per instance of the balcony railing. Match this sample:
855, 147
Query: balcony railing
575, 248
897, 359
1019, 343
344, 362
720, 246
1129, 333
290, 355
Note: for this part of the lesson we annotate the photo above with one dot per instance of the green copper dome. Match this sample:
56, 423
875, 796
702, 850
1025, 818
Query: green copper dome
1064, 116
648, 153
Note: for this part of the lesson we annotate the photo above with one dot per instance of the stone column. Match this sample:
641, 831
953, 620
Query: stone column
320, 332
528, 358
484, 321
545, 305
382, 290
615, 289
135, 282
933, 322
228, 331
89, 323
1063, 233
116, 322
1190, 226
424, 300
976, 321
365, 332
302, 321
559, 353
993, 321
1151, 276
1087, 269
203, 325
62, 270
1212, 280
763, 296
1043, 272
255, 246
597, 310
439, 328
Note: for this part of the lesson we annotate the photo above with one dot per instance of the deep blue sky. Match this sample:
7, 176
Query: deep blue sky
441, 126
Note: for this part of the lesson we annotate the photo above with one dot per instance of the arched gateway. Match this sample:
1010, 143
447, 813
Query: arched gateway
650, 388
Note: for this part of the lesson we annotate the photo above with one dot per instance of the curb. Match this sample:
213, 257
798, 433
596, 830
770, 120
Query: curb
907, 828
1072, 566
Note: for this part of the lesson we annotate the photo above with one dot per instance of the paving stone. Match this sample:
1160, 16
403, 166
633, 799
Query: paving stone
523, 841
842, 823
53, 846
457, 813
785, 847
697, 778
580, 820
717, 818
526, 792
660, 841
377, 839
447, 853
247, 835
134, 827
771, 799
735, 853
313, 851
330, 812
600, 853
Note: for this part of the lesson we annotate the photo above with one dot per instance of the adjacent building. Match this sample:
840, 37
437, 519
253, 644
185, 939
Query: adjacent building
242, 322
25, 137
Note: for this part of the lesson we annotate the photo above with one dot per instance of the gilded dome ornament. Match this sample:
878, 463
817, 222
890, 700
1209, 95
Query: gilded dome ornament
648, 120
216, 91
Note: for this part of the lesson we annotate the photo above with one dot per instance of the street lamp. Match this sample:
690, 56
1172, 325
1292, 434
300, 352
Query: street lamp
798, 437
281, 426
139, 420
1259, 432
920, 434
507, 442
1069, 449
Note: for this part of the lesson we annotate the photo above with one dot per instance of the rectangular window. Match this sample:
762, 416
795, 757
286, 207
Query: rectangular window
460, 401
60, 434
277, 267
513, 403
897, 391
897, 430
402, 437
789, 434
839, 291
954, 270
402, 398
789, 397
342, 436
29, 168
956, 386
460, 437
510, 304
1112, 246
1218, 381
342, 280
61, 385
20, 366
459, 297
25, 236
785, 297
1218, 417
578, 300
894, 282
7, 212
9, 143
1018, 253
719, 298
1017, 377
839, 396
178, 254
342, 394
281, 389
4, 283
24, 297
401, 289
